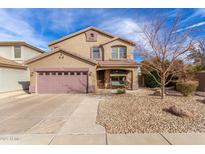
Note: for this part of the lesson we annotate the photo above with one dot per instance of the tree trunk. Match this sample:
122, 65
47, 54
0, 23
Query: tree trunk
162, 86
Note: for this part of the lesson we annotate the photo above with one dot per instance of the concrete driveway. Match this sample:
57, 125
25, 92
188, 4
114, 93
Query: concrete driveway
50, 119
68, 119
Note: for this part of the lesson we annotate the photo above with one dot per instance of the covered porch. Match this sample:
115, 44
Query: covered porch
112, 78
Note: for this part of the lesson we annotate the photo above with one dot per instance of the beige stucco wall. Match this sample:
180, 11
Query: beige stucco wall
53, 61
6, 52
79, 45
108, 49
13, 79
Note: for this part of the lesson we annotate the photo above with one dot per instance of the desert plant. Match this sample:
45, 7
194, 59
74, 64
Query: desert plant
121, 91
186, 88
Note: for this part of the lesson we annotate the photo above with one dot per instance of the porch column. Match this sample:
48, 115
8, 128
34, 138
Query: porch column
135, 79
107, 79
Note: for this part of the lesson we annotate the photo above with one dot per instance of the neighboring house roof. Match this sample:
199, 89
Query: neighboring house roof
86, 29
10, 63
20, 43
59, 50
117, 63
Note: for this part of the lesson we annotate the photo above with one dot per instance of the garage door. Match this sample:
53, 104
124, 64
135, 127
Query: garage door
62, 82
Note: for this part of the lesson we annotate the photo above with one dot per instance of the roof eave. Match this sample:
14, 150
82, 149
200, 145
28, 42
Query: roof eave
12, 66
58, 50
21, 43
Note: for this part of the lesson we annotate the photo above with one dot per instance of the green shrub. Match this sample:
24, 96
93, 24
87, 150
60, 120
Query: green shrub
150, 81
121, 91
186, 88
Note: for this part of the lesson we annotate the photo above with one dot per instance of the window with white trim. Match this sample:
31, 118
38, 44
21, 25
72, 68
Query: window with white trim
119, 52
17, 51
96, 53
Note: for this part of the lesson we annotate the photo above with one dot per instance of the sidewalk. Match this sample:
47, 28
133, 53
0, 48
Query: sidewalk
105, 139
157, 139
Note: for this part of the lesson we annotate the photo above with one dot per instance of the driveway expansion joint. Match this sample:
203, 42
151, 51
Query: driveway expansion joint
165, 138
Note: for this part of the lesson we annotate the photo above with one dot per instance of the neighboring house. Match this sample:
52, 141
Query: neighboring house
201, 79
13, 75
84, 61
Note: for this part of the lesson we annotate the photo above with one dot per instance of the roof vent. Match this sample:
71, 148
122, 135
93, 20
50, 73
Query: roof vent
91, 36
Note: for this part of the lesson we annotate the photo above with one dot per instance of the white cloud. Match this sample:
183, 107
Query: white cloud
191, 27
129, 29
197, 13
124, 27
14, 27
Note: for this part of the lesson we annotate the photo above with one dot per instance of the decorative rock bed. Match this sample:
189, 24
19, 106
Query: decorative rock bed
141, 112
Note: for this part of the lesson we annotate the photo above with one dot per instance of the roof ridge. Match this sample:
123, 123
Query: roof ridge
84, 30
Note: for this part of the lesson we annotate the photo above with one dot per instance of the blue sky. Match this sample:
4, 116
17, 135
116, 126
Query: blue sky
41, 26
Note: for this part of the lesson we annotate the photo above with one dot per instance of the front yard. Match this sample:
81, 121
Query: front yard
142, 112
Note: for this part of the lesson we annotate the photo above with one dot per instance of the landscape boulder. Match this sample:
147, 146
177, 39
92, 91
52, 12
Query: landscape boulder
180, 112
157, 93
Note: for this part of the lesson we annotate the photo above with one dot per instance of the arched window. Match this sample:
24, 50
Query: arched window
119, 52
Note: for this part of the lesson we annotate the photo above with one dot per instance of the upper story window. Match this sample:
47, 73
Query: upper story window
115, 53
17, 51
96, 53
119, 52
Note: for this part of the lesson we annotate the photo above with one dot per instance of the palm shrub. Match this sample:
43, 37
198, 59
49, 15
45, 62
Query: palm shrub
121, 91
186, 88
149, 80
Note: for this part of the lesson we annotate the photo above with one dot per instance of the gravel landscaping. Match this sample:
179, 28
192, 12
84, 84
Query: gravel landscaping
142, 112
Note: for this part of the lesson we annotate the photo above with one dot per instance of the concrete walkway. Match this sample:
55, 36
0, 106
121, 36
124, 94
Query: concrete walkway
81, 127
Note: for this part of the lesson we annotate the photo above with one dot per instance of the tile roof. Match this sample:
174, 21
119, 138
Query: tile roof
117, 63
10, 63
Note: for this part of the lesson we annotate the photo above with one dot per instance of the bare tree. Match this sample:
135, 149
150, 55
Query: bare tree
198, 53
167, 44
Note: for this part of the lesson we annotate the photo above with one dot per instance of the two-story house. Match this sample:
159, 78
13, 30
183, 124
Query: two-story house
13, 74
84, 61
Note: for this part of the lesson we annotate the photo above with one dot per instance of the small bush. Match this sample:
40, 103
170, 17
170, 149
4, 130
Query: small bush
186, 88
120, 91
